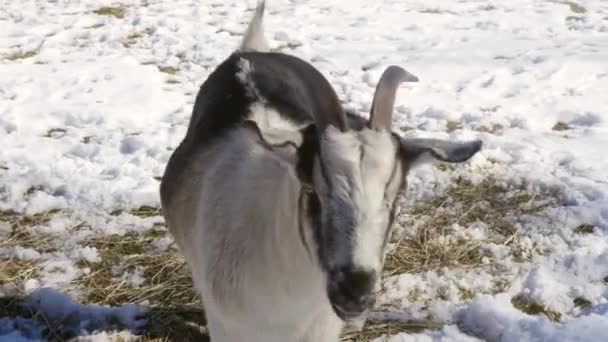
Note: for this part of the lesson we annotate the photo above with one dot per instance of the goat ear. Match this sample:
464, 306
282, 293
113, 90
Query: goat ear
424, 150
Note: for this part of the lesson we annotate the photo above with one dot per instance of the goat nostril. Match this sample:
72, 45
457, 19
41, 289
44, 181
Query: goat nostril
356, 284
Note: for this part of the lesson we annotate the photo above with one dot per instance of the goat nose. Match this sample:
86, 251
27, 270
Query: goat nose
351, 292
357, 285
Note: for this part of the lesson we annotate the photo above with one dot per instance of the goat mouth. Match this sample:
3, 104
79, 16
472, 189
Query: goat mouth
347, 314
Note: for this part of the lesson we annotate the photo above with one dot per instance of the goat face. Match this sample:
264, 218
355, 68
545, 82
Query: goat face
357, 175
358, 179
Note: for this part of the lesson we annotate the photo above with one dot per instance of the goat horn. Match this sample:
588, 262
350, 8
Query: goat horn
384, 98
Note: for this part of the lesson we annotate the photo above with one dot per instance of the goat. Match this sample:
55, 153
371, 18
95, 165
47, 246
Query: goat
281, 202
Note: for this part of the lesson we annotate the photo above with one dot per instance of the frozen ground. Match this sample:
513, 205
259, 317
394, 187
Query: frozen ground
93, 100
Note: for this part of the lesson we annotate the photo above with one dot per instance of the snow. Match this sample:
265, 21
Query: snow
494, 318
447, 333
88, 123
71, 318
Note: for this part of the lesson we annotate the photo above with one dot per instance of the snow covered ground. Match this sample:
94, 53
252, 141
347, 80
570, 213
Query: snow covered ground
93, 100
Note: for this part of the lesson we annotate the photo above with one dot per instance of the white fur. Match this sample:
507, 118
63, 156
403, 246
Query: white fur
234, 214
269, 119
244, 76
379, 159
275, 129
360, 165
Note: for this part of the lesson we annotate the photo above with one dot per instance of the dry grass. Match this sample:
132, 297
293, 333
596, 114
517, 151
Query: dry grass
429, 242
134, 36
561, 126
21, 55
179, 324
581, 302
116, 12
143, 211
55, 133
452, 126
576, 8
167, 70
96, 26
131, 39
176, 313
175, 309
584, 229
13, 271
21, 226
532, 307
166, 277
146, 211
491, 129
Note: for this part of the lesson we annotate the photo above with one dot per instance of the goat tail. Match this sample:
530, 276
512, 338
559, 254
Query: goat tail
254, 39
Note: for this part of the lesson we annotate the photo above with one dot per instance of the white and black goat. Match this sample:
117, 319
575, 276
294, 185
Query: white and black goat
281, 202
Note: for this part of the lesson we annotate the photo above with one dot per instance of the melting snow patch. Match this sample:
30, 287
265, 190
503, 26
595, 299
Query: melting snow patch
494, 318
69, 319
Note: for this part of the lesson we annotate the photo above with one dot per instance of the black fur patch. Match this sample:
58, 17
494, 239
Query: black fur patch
307, 153
357, 283
295, 88
221, 104
314, 213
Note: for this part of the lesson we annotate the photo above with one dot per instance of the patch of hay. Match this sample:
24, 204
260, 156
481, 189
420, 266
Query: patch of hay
55, 133
576, 8
532, 307
424, 238
167, 70
561, 126
116, 12
165, 277
21, 55
21, 226
584, 229
14, 271
491, 129
452, 126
